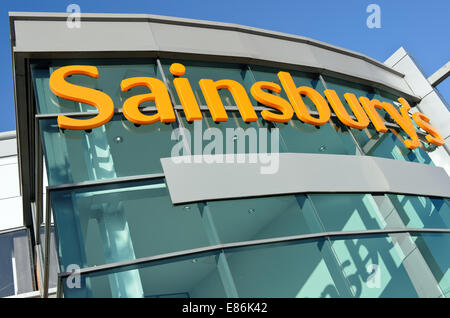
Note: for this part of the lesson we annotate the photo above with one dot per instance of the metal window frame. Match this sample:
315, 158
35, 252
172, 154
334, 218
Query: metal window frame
212, 248
228, 246
12, 230
50, 189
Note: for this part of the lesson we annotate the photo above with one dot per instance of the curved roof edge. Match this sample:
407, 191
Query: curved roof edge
193, 22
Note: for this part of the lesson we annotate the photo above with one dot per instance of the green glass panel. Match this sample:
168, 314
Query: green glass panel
300, 79
299, 137
196, 70
386, 145
122, 221
300, 269
261, 218
422, 212
197, 276
348, 212
116, 149
229, 137
111, 73
389, 145
368, 266
374, 266
391, 98
435, 251
342, 86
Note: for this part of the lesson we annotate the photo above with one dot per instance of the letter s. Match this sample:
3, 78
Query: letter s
434, 136
273, 101
66, 90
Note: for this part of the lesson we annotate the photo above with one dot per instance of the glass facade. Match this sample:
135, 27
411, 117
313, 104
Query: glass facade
431, 246
273, 246
363, 266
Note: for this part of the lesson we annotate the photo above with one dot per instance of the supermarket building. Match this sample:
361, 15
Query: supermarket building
101, 208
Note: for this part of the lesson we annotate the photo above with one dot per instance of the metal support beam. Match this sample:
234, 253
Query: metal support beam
47, 244
38, 168
440, 75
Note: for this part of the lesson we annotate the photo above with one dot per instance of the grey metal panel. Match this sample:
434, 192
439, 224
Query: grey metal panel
413, 76
91, 36
440, 157
341, 63
279, 50
46, 16
189, 39
348, 65
439, 115
23, 262
395, 58
414, 178
302, 173
389, 79
440, 75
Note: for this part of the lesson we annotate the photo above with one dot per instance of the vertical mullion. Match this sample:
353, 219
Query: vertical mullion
222, 263
346, 127
47, 245
172, 98
38, 179
328, 238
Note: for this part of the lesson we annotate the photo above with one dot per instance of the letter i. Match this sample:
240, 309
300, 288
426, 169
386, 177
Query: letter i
185, 93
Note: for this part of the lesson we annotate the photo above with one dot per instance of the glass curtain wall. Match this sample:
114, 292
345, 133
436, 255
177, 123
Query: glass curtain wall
116, 222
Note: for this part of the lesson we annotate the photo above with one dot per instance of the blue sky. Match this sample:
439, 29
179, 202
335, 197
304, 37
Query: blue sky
421, 27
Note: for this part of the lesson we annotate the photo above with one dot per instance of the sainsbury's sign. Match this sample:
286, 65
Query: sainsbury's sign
364, 109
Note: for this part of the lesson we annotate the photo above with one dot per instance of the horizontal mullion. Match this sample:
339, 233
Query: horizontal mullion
143, 110
150, 109
13, 229
89, 113
227, 246
104, 182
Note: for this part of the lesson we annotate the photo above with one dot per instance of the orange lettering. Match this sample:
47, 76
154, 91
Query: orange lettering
60, 87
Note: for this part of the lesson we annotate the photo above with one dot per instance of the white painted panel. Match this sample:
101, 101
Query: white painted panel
11, 215
8, 160
9, 181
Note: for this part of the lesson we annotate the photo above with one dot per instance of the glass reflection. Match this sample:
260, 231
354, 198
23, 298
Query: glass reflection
375, 266
433, 247
117, 149
120, 222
